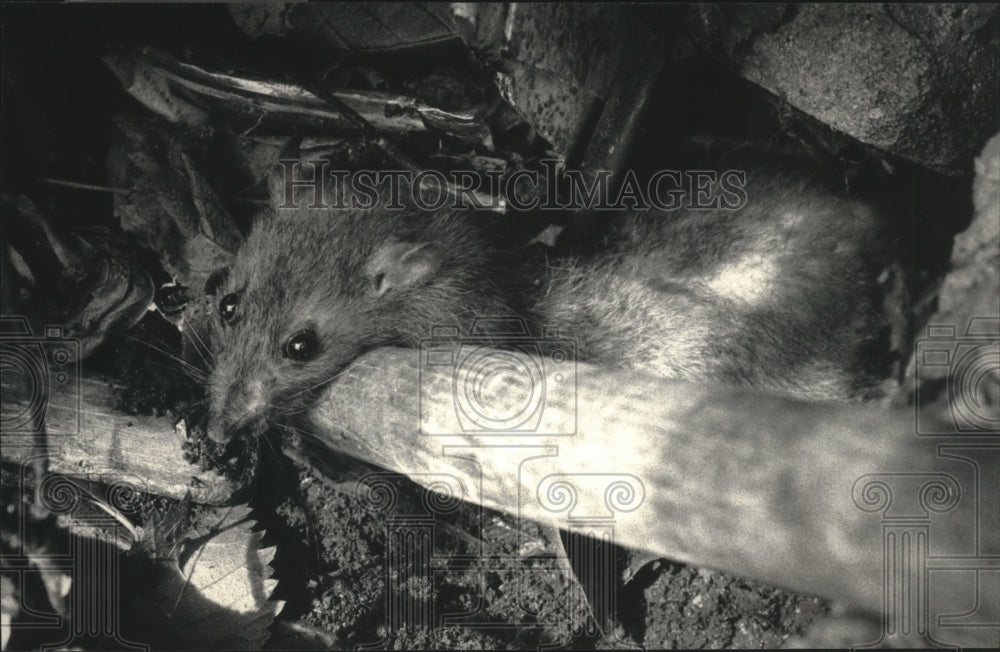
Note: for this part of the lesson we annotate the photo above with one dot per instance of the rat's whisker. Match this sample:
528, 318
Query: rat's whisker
196, 375
200, 347
325, 381
300, 431
265, 442
185, 365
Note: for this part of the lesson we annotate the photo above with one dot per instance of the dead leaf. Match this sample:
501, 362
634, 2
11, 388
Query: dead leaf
151, 87
351, 26
192, 96
171, 208
104, 287
35, 594
213, 590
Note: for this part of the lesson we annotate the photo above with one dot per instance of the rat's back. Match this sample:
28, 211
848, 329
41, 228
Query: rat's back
778, 293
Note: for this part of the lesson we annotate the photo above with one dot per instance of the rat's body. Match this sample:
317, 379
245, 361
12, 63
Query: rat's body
775, 295
779, 294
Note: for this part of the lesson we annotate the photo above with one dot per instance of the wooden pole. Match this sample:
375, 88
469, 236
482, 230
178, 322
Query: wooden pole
89, 439
820, 498
814, 497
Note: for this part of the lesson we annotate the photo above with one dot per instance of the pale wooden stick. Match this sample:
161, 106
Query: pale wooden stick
756, 485
89, 439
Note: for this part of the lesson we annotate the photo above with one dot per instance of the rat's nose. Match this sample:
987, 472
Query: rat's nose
241, 412
245, 429
243, 399
230, 425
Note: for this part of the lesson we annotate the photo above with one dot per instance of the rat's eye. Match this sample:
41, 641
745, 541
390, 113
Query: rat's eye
228, 306
301, 346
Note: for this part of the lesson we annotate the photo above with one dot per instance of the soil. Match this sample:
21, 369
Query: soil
494, 584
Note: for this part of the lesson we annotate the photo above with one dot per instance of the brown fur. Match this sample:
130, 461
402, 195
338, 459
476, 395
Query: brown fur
306, 269
777, 295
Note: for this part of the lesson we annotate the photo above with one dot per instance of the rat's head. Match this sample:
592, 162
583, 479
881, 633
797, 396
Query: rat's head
305, 296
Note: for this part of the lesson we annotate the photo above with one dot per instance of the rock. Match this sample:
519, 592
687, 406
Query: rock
568, 67
916, 81
961, 345
972, 288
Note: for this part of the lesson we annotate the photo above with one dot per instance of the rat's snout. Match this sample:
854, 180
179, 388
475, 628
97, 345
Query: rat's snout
244, 430
239, 412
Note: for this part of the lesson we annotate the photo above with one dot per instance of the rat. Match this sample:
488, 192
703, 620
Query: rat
776, 293
311, 289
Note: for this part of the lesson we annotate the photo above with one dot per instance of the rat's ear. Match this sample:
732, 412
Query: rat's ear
397, 265
216, 280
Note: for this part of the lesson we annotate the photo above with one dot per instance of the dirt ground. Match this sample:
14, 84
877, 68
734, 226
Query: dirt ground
482, 594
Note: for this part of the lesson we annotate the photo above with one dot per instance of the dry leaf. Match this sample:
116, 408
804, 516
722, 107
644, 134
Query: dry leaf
171, 208
388, 26
35, 594
215, 594
105, 288
192, 96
